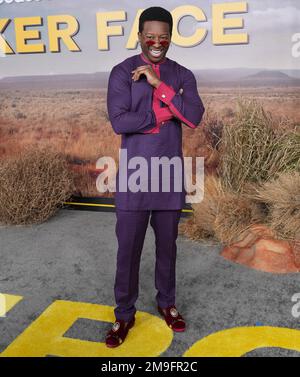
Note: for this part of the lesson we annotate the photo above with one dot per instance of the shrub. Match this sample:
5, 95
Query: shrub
282, 197
252, 150
222, 215
33, 186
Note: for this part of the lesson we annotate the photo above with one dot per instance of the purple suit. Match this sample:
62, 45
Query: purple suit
137, 108
149, 121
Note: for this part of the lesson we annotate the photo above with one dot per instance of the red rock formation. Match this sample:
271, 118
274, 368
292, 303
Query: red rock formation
259, 249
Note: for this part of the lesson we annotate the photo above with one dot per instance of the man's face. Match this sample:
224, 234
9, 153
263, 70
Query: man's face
155, 40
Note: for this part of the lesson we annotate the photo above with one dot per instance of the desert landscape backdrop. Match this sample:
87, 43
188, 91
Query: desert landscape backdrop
69, 112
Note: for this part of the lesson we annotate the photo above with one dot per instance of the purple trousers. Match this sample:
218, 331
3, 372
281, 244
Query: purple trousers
131, 229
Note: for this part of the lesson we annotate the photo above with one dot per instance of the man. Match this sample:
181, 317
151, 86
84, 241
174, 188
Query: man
149, 97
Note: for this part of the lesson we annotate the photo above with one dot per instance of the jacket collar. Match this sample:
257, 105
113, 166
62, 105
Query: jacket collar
149, 62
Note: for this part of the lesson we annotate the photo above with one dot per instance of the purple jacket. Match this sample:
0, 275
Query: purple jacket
149, 121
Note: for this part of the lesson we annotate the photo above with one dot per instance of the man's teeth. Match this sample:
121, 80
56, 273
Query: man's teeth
156, 52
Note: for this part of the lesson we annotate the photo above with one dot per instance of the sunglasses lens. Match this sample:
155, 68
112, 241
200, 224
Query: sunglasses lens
150, 43
164, 43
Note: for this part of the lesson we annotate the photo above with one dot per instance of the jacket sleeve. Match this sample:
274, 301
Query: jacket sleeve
119, 102
188, 106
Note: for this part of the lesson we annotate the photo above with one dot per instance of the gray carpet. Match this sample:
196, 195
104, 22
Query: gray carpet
72, 257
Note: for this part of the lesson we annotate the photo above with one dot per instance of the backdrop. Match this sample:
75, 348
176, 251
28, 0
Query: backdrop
56, 57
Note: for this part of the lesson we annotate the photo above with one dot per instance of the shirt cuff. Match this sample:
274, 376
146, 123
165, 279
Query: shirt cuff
164, 92
163, 114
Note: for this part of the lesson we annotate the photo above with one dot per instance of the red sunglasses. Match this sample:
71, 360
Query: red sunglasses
163, 43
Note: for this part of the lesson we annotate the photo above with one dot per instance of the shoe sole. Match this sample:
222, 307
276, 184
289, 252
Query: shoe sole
179, 330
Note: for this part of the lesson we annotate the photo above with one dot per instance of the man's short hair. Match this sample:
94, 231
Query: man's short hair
156, 14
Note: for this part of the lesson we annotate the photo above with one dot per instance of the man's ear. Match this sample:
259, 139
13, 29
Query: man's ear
139, 36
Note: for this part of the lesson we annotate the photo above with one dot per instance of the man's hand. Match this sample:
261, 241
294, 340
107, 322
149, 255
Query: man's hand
147, 70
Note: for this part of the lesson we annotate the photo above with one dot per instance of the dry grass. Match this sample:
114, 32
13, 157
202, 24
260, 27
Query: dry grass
282, 197
235, 214
253, 149
200, 225
73, 122
33, 186
222, 215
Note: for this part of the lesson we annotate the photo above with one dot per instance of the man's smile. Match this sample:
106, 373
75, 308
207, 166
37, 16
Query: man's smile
156, 53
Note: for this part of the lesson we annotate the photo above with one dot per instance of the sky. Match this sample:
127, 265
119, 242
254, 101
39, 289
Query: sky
270, 25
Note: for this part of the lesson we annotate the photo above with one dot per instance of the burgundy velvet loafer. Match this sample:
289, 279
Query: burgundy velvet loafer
172, 317
118, 332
